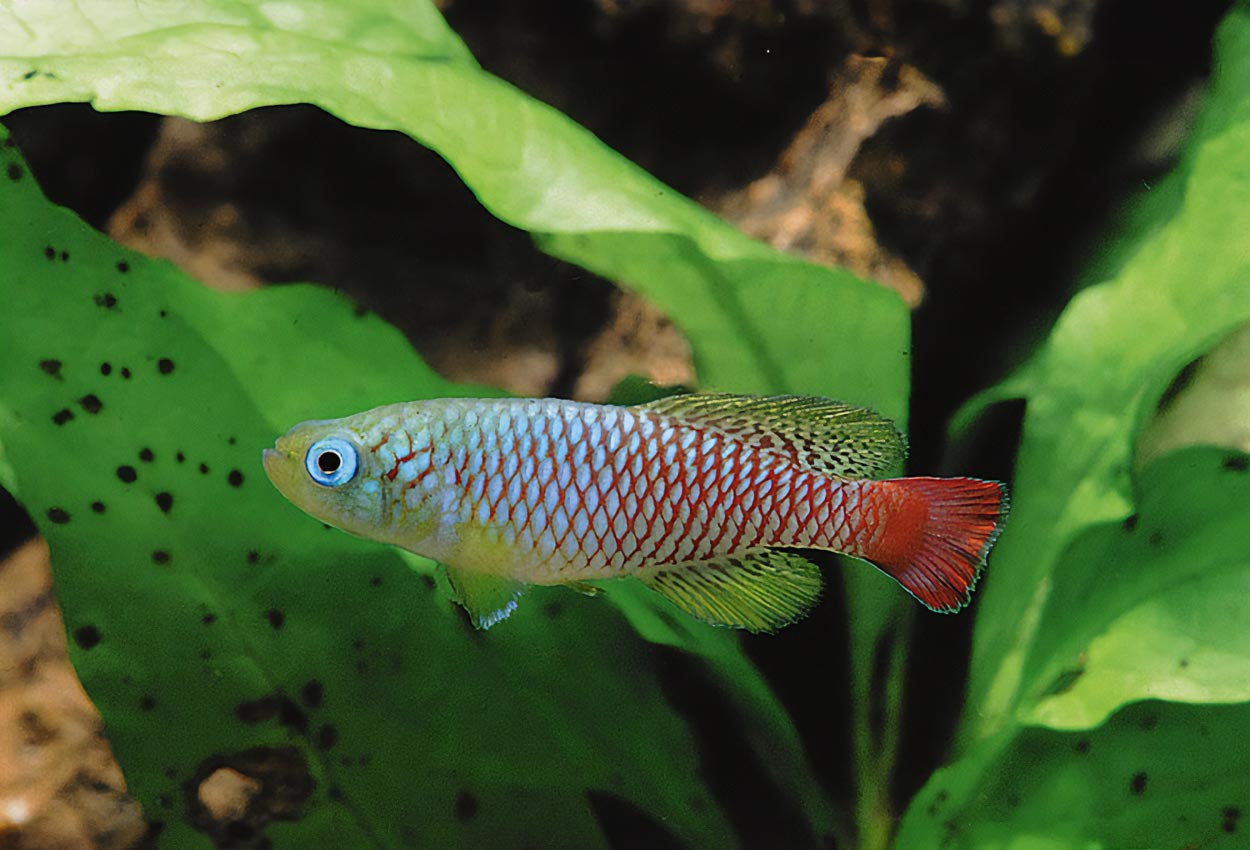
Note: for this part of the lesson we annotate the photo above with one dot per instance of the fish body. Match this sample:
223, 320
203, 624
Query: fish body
699, 496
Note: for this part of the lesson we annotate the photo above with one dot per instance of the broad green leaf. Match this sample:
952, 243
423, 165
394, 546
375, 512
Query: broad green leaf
211, 618
1145, 611
1149, 610
1180, 281
1107, 595
1153, 607
1155, 775
758, 321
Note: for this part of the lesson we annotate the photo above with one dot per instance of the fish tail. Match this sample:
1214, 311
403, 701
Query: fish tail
932, 535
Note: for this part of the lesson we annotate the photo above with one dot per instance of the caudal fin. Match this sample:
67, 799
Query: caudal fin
937, 534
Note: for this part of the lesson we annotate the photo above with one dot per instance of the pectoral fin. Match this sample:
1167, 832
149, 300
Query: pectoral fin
760, 592
487, 598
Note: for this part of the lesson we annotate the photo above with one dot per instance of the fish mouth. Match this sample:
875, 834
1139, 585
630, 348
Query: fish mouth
274, 460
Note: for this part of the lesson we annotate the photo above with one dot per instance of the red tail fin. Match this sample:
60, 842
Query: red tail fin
937, 534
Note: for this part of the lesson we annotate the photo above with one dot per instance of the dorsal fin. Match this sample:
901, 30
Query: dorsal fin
826, 436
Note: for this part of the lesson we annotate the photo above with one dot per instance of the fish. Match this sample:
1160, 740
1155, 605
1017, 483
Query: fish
703, 497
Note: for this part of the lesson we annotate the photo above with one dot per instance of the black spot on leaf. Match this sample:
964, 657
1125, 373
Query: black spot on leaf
106, 369
180, 457
160, 557
107, 300
1149, 722
1230, 816
208, 619
312, 693
292, 716
235, 478
65, 256
14, 172
203, 469
51, 367
98, 507
165, 365
164, 501
253, 556
58, 515
256, 711
1156, 539
1237, 463
231, 441
147, 703
87, 637
162, 314
125, 373
91, 403
1082, 746
276, 618
62, 416
49, 252
145, 455
1138, 783
127, 474
327, 736
1130, 522
123, 266
466, 805
375, 581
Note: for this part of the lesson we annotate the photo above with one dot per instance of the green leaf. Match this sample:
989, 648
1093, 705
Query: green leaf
1181, 281
1109, 698
1151, 610
1155, 775
758, 321
212, 618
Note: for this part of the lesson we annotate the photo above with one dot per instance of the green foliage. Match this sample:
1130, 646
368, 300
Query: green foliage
759, 321
1101, 595
1108, 696
214, 616
211, 617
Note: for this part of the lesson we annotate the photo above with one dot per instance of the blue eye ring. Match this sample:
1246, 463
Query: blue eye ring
331, 462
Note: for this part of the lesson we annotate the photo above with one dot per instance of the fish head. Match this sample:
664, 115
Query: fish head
322, 468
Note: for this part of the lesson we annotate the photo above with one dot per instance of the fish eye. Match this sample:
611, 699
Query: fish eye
331, 462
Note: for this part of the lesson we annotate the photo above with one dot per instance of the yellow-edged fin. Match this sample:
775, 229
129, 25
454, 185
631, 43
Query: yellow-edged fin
825, 436
488, 599
584, 588
760, 592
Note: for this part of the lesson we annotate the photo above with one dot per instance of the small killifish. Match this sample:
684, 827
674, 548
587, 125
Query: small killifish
701, 497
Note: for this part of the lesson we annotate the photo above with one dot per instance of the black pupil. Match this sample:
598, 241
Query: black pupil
328, 462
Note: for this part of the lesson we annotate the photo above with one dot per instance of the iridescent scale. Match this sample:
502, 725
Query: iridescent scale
577, 491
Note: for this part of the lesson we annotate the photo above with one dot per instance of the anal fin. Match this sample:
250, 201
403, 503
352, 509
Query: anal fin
759, 592
488, 599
